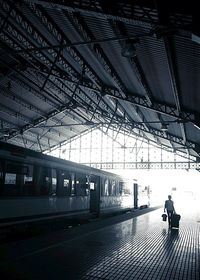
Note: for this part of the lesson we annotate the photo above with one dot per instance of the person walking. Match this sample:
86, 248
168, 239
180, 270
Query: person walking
169, 206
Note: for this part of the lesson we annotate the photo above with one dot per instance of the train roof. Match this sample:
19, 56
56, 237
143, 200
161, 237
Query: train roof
21, 152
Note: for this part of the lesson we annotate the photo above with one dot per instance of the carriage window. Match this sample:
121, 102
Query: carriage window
113, 187
66, 183
53, 183
109, 187
28, 179
121, 190
82, 184
10, 179
18, 179
125, 188
54, 186
29, 188
106, 187
92, 186
46, 181
73, 190
12, 186
67, 186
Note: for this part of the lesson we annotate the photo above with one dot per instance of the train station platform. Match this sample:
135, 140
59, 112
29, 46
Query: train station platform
132, 246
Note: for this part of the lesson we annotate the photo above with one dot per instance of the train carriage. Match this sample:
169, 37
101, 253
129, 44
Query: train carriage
35, 186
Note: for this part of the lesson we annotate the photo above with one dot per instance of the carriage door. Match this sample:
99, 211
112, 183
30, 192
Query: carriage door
135, 193
94, 194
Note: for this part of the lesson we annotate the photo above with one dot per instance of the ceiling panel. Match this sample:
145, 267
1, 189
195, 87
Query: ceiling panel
63, 71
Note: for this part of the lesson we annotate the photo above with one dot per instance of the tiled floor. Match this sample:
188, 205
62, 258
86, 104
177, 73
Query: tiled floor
138, 248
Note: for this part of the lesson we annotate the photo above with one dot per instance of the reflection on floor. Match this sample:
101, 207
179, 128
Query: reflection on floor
138, 248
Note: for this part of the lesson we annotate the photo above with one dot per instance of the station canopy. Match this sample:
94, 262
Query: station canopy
71, 66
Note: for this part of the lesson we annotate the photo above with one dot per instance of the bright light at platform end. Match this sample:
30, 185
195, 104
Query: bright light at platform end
182, 185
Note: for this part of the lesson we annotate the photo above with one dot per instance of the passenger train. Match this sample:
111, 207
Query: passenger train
37, 187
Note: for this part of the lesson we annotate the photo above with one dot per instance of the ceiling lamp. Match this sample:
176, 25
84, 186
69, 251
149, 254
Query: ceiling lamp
197, 126
195, 38
164, 126
129, 48
4, 132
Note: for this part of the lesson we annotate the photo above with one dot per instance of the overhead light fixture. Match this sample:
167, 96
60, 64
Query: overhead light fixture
129, 48
195, 38
197, 126
164, 126
6, 134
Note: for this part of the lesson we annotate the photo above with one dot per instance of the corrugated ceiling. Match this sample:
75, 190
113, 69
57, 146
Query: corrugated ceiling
62, 71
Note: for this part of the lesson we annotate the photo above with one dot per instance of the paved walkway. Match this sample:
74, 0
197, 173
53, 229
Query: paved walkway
139, 248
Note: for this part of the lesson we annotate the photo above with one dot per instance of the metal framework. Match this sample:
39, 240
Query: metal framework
54, 71
144, 165
125, 152
127, 11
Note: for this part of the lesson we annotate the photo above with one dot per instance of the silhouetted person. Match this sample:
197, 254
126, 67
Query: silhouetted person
169, 206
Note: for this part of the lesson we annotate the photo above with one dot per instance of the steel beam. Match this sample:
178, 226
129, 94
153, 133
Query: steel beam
138, 100
91, 73
9, 94
126, 11
26, 43
27, 106
84, 31
144, 165
19, 130
82, 43
165, 109
23, 84
174, 81
120, 29
102, 127
19, 142
76, 56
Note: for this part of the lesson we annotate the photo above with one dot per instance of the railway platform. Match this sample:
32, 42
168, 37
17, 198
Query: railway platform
133, 246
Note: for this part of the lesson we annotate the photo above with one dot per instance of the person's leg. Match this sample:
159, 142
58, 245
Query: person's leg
169, 214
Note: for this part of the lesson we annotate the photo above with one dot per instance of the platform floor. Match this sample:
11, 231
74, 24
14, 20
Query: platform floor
141, 247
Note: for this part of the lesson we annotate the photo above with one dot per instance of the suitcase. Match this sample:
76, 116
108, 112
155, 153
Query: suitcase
175, 220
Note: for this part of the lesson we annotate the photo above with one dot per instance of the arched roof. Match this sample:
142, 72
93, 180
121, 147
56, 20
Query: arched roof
67, 66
